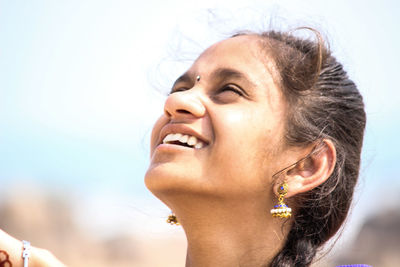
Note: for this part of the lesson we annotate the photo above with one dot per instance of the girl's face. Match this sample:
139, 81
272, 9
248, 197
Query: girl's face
229, 110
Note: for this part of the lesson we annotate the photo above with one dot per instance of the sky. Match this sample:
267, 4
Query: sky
81, 83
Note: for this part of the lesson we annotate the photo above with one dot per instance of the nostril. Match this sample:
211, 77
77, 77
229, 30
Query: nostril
182, 111
167, 113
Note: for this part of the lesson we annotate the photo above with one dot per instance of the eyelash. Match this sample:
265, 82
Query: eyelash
232, 88
181, 89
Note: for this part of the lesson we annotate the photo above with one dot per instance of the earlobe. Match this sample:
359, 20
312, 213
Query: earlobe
313, 170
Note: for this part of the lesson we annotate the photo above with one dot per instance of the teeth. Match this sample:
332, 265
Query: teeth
168, 138
192, 141
199, 145
184, 138
177, 136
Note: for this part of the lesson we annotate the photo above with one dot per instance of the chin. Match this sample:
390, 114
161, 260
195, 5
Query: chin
167, 180
173, 183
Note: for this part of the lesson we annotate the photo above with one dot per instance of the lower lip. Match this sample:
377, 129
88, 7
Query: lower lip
172, 148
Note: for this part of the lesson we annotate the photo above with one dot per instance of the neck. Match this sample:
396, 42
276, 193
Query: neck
238, 235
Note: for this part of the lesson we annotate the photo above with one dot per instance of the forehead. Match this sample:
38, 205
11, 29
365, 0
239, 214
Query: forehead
243, 44
242, 53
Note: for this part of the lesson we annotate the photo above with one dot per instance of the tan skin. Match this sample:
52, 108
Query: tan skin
39, 257
222, 192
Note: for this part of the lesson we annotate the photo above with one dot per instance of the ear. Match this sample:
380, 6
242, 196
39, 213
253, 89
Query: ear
312, 171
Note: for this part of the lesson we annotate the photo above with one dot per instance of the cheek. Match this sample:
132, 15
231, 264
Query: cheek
255, 129
247, 148
246, 142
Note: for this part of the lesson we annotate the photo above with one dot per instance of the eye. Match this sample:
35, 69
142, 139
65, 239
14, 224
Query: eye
178, 89
232, 88
229, 93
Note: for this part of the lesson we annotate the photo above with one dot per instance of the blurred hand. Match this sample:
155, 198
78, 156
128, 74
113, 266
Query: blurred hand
38, 258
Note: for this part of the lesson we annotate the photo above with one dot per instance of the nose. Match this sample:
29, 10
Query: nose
184, 104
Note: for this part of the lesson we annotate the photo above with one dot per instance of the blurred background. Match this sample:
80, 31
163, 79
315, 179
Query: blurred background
81, 83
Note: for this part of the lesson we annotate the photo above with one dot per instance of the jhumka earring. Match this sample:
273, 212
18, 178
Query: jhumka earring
281, 210
172, 219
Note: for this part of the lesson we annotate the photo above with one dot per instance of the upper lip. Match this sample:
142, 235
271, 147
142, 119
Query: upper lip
180, 128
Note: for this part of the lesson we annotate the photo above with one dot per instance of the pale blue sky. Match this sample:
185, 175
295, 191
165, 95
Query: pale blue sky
77, 78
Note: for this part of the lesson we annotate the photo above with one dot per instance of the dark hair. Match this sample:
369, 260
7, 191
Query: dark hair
323, 104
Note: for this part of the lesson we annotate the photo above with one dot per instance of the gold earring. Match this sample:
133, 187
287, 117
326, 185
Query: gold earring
172, 219
281, 210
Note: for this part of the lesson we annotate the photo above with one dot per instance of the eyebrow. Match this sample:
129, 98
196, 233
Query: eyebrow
225, 73
184, 78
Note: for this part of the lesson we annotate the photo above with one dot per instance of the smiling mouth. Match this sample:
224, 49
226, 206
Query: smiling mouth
183, 140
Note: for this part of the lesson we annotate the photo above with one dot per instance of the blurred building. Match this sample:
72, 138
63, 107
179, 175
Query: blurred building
47, 220
378, 242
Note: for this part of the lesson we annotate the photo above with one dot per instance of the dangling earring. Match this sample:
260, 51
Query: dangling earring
282, 210
172, 219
